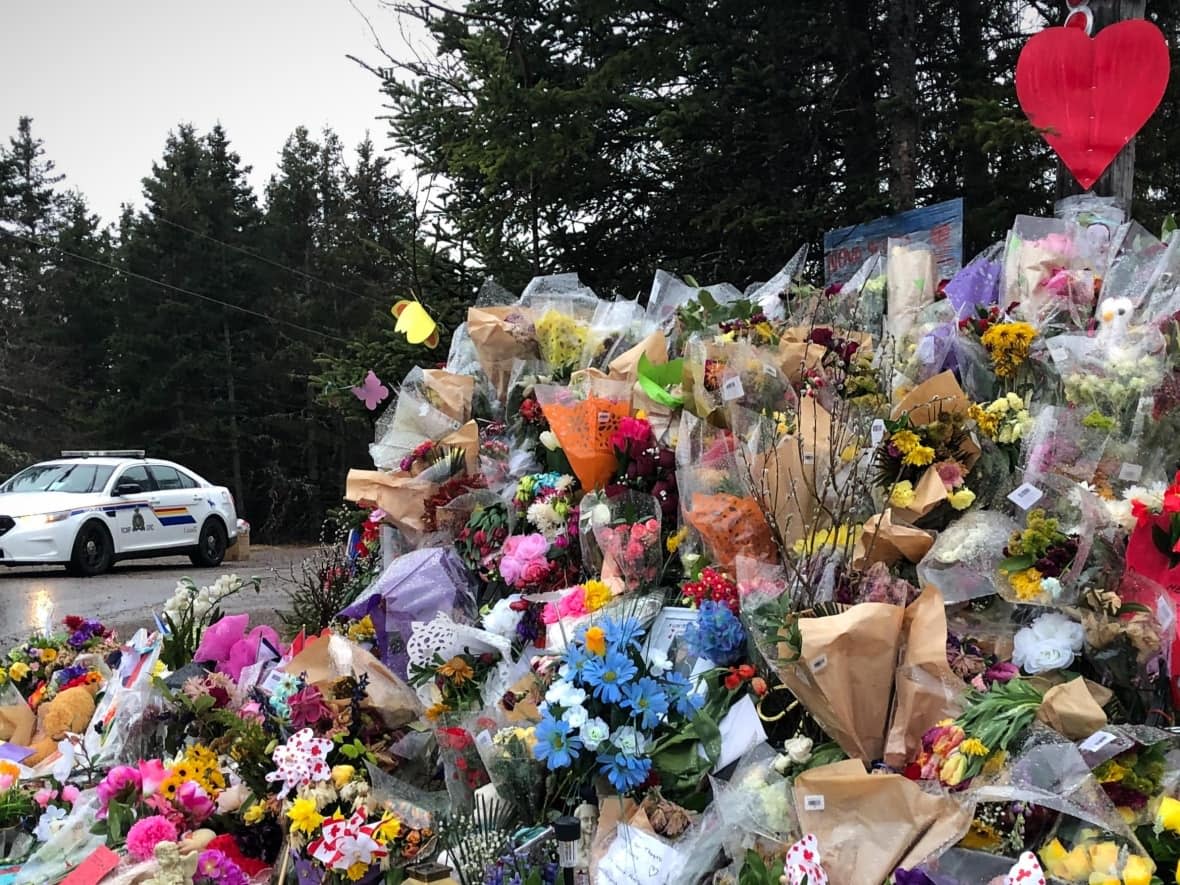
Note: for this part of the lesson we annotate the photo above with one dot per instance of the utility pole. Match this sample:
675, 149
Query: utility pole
1118, 180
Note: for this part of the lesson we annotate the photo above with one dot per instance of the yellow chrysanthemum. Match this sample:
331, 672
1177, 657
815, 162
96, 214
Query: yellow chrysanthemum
597, 594
48, 655
1026, 584
905, 440
254, 813
457, 670
919, 456
676, 539
435, 711
973, 747
357, 871
304, 816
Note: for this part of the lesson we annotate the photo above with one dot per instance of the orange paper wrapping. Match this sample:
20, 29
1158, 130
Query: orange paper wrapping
732, 527
584, 429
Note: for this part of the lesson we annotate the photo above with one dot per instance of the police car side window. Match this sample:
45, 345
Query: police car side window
167, 479
186, 481
139, 475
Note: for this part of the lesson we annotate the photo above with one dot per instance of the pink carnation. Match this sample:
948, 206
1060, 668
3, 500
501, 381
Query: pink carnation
145, 834
573, 604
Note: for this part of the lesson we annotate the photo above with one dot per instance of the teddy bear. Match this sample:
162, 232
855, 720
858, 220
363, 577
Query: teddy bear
70, 711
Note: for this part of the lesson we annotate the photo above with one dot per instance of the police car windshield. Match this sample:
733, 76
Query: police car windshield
74, 478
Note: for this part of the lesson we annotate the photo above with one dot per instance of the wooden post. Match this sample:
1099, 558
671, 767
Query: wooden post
1119, 178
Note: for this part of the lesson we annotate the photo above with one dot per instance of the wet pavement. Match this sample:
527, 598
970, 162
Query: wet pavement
126, 597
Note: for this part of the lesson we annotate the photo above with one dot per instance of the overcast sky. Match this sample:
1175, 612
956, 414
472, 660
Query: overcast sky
104, 80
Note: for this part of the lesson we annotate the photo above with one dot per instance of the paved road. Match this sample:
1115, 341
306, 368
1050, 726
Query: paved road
126, 597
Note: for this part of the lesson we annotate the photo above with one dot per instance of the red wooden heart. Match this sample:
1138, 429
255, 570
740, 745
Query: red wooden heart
1089, 97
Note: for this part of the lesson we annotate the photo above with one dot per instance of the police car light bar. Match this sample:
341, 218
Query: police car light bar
105, 453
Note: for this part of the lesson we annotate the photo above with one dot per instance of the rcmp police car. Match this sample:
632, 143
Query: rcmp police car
89, 509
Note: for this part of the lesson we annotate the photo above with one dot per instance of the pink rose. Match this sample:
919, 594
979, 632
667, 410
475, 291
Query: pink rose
535, 572
70, 793
195, 801
121, 784
44, 796
1060, 244
634, 551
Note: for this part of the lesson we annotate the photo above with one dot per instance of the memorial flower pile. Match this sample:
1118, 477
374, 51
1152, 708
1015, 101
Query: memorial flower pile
874, 584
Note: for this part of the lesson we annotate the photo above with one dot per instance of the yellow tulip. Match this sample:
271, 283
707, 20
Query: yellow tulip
341, 775
1104, 858
1053, 857
1138, 870
952, 770
1077, 865
1167, 816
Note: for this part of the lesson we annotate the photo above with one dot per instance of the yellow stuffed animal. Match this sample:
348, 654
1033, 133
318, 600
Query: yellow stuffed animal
69, 712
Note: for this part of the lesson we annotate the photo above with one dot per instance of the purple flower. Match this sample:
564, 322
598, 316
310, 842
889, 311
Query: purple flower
911, 877
215, 868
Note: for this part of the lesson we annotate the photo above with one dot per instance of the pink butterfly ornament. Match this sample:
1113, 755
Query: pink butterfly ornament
371, 391
1027, 871
802, 863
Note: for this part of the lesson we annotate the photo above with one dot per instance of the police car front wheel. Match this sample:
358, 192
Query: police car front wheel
93, 551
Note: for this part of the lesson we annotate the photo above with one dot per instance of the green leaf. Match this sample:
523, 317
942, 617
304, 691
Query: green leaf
1168, 226
1016, 564
1131, 608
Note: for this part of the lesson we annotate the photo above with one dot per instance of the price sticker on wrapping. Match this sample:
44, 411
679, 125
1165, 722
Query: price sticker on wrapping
732, 389
1096, 741
603, 420
769, 370
877, 432
814, 803
1130, 472
1026, 496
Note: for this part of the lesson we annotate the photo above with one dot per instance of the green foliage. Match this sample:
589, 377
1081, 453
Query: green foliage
321, 586
755, 870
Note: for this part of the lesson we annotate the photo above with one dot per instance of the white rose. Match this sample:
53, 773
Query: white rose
1057, 628
549, 440
658, 663
798, 750
594, 733
576, 716
600, 515
628, 741
1038, 655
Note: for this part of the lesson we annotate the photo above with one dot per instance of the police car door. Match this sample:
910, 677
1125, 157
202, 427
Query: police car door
179, 507
136, 526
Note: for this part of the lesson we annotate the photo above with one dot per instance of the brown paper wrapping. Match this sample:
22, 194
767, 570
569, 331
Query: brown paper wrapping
467, 439
940, 395
454, 392
496, 343
401, 497
797, 355
625, 367
928, 494
933, 398
328, 658
884, 540
844, 674
926, 689
868, 825
1074, 708
525, 710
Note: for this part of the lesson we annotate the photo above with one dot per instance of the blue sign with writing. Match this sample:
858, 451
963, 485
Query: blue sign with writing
941, 225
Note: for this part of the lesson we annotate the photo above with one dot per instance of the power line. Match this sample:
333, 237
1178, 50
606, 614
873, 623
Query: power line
249, 254
165, 285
